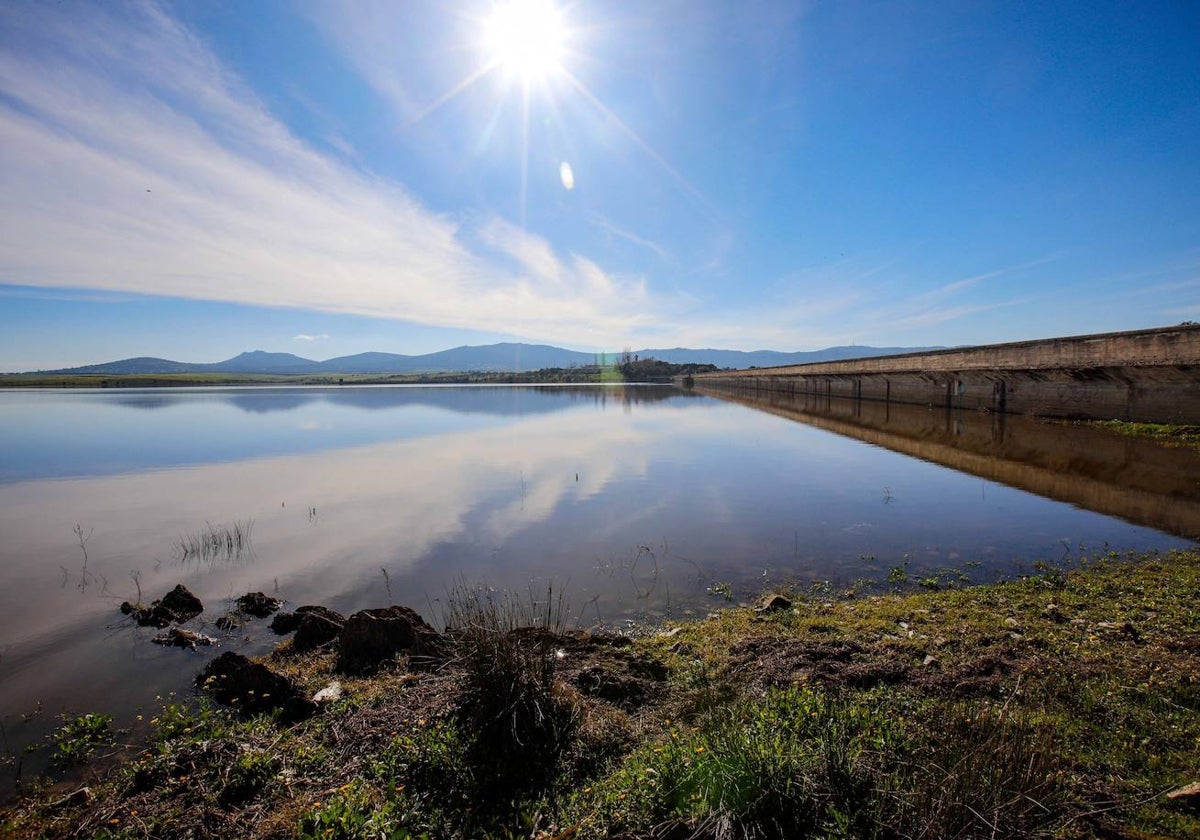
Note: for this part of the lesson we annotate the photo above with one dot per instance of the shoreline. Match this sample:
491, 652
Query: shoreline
930, 702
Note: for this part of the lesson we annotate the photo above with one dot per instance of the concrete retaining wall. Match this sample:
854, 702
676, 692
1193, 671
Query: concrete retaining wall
1148, 376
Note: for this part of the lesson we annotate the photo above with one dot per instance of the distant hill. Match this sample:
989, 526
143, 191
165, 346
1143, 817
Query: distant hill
506, 356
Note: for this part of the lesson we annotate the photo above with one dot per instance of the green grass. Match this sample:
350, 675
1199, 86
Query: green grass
1062, 704
78, 737
1171, 435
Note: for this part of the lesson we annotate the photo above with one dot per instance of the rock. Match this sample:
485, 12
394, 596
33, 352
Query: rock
177, 637
1012, 624
258, 605
1053, 613
1187, 797
234, 680
181, 603
286, 622
229, 621
371, 638
773, 603
178, 605
930, 661
82, 796
329, 693
316, 630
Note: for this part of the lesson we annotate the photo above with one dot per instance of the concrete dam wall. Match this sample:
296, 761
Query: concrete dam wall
1150, 376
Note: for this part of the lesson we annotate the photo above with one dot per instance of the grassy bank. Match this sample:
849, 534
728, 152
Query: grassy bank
1166, 434
1066, 703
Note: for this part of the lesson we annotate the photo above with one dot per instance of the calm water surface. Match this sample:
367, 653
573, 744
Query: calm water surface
634, 501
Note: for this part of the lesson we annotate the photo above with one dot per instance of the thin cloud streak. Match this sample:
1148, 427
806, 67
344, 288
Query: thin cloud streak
620, 233
969, 282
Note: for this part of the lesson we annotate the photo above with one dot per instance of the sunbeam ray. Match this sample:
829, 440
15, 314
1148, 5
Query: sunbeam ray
455, 91
711, 210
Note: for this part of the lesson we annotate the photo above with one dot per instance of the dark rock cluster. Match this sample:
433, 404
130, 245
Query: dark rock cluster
176, 606
253, 688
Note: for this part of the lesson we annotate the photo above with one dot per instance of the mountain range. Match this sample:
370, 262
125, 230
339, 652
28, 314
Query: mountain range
490, 357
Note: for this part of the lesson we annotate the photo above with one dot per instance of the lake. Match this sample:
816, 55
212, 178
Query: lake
638, 503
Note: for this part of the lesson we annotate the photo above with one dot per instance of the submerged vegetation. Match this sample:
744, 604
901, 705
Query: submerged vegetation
216, 542
1065, 703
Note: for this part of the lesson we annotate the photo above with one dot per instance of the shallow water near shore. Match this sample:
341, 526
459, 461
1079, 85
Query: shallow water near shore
637, 503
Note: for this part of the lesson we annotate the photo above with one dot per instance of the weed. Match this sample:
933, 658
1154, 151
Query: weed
722, 589
78, 737
512, 710
353, 811
251, 772
984, 774
85, 577
796, 763
212, 543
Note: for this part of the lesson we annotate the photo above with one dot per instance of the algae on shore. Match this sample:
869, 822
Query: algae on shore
1065, 703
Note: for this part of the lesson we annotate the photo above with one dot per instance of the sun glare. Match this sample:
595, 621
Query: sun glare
526, 38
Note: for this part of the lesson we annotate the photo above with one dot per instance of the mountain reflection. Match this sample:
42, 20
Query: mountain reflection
497, 400
64, 433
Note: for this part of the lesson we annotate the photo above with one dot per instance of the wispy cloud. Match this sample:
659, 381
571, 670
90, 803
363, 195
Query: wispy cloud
135, 162
951, 289
620, 233
306, 337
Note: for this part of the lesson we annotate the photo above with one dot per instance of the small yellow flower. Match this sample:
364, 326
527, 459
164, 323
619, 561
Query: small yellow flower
699, 749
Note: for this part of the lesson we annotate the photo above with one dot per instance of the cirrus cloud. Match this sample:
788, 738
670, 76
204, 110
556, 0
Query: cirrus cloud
135, 162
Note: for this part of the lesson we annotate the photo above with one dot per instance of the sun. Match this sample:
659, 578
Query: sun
526, 38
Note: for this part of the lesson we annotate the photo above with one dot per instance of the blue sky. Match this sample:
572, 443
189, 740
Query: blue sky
196, 179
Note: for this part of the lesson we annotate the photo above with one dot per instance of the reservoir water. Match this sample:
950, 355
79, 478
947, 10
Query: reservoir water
638, 503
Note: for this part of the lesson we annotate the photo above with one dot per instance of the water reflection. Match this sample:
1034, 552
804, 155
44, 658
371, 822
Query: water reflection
1139, 480
64, 433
